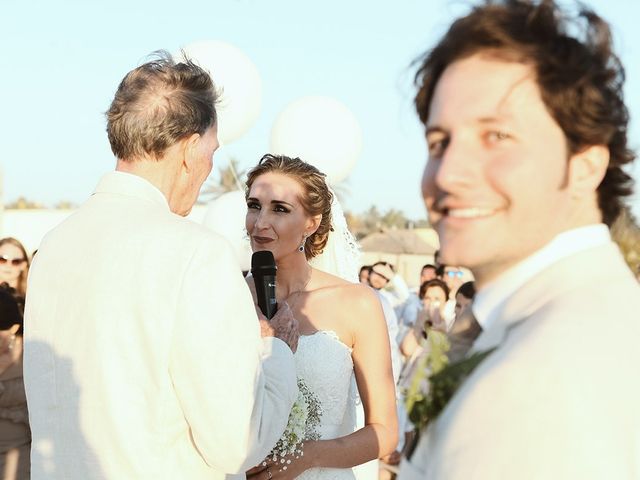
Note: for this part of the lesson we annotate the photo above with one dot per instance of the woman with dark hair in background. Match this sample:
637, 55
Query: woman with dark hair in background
15, 435
14, 268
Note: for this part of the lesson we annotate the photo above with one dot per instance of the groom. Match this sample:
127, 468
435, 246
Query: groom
526, 131
144, 356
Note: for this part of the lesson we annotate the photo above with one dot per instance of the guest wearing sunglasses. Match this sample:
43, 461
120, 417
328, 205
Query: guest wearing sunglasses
14, 265
451, 275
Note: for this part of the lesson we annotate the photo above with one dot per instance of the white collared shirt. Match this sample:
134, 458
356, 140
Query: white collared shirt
492, 296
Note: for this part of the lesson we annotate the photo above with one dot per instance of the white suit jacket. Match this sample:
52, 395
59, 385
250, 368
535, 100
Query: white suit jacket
143, 356
559, 397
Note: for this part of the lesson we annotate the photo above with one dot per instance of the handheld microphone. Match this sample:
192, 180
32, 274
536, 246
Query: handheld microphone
263, 270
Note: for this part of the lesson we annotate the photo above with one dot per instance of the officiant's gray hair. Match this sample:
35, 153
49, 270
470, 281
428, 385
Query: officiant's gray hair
159, 103
317, 197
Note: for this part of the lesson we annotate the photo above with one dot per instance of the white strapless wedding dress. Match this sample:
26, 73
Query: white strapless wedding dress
325, 364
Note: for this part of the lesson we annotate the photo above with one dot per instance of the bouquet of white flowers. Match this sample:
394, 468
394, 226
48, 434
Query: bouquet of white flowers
304, 420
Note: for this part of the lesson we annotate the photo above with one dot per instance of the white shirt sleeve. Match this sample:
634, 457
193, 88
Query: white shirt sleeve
235, 389
400, 291
392, 326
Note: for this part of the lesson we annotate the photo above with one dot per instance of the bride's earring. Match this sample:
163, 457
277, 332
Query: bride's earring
301, 247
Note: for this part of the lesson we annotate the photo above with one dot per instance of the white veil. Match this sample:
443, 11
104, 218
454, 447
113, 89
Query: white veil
341, 255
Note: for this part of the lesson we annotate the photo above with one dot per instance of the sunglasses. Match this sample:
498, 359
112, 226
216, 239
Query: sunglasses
454, 273
13, 261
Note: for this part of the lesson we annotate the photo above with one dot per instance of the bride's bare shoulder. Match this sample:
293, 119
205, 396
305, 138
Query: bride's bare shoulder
357, 294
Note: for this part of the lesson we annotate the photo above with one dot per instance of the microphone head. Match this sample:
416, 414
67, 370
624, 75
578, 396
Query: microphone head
263, 263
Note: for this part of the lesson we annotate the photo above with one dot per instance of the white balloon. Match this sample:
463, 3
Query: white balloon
225, 215
321, 131
239, 81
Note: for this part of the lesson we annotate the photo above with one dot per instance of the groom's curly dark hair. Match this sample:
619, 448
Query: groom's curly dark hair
317, 197
580, 77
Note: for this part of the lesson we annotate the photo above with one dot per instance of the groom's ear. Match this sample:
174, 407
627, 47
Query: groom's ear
312, 224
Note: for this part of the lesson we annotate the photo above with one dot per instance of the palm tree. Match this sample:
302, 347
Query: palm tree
228, 181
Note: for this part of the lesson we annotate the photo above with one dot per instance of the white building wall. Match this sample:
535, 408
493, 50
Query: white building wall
29, 226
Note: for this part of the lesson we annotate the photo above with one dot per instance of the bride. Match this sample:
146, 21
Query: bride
343, 335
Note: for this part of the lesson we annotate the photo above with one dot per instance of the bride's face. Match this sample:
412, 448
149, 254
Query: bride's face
276, 220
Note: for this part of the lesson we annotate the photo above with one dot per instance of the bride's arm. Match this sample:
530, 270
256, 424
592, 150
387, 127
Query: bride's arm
372, 365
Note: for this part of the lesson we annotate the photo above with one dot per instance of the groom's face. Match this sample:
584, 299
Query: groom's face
276, 220
495, 184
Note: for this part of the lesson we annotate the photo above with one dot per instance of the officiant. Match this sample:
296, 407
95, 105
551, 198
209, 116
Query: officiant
144, 356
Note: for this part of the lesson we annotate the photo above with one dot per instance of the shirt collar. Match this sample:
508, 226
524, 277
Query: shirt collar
123, 183
489, 299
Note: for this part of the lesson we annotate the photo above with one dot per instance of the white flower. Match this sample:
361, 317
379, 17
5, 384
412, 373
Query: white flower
304, 420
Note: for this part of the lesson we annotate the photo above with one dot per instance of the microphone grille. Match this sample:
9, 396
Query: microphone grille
263, 260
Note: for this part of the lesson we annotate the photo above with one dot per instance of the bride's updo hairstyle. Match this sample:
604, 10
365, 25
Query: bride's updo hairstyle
316, 199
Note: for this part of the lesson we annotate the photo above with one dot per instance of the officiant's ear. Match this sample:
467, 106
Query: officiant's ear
190, 150
312, 224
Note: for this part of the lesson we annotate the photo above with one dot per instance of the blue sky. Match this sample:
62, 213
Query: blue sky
65, 58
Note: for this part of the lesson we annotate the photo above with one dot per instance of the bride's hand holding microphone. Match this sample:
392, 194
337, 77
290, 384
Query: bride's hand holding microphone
275, 320
283, 325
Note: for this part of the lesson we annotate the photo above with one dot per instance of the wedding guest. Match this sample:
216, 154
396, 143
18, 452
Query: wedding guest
452, 276
464, 296
14, 265
171, 378
363, 275
433, 295
15, 436
436, 259
344, 339
390, 284
394, 328
409, 310
526, 129
465, 328
427, 273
